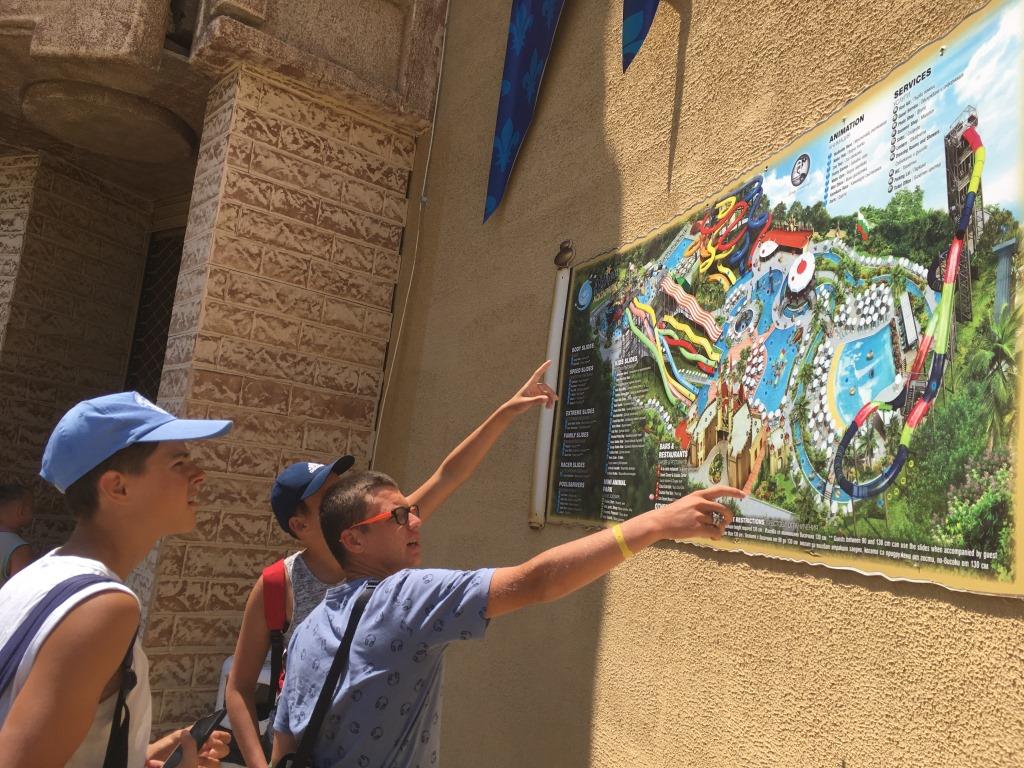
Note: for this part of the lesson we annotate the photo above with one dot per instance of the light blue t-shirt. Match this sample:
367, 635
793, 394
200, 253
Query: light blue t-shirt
386, 712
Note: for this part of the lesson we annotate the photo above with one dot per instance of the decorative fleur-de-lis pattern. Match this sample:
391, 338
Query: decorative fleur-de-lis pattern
531, 32
637, 17
386, 711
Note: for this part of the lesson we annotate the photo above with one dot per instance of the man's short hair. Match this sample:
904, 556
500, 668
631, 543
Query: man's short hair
346, 503
13, 492
82, 496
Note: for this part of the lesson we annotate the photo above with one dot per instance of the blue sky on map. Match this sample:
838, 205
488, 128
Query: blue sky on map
989, 54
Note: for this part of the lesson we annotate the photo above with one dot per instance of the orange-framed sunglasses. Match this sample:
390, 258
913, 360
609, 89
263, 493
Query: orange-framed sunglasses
399, 514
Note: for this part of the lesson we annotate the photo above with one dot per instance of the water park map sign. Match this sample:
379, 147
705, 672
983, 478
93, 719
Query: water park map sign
837, 336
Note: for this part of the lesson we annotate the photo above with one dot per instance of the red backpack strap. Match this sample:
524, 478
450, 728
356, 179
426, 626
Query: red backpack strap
274, 596
274, 610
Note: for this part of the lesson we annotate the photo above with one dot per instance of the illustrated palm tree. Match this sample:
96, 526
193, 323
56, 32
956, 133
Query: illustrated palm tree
842, 290
804, 375
847, 266
697, 281
741, 364
800, 411
899, 275
994, 360
864, 449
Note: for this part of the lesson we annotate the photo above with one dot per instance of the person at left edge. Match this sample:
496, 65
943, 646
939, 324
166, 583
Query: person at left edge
124, 468
295, 500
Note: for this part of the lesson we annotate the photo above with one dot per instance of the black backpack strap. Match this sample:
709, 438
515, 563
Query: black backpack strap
323, 702
265, 707
117, 744
275, 602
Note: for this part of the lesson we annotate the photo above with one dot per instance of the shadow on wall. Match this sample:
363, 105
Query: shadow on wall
684, 9
686, 656
476, 325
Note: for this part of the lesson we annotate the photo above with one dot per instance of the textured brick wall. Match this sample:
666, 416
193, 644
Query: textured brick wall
72, 248
17, 176
281, 322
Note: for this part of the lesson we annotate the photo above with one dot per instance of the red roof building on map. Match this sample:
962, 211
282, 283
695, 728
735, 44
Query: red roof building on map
790, 239
682, 435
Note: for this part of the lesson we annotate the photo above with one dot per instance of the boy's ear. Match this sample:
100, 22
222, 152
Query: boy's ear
111, 487
297, 524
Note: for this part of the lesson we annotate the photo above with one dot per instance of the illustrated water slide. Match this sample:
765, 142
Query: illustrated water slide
688, 390
937, 335
670, 391
671, 360
676, 389
689, 352
689, 304
713, 353
727, 233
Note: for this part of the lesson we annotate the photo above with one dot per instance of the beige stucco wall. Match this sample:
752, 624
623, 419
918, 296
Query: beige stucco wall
682, 656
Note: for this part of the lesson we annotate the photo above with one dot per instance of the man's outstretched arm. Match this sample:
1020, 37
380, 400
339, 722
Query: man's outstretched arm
467, 455
564, 569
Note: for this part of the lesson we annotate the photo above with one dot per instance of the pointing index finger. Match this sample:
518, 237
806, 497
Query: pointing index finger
539, 373
722, 490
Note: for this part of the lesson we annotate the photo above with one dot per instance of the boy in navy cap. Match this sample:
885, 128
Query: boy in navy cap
295, 500
123, 466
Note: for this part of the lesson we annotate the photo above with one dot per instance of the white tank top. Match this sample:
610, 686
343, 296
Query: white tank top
24, 590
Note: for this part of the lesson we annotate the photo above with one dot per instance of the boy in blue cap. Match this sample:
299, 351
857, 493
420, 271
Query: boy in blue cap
295, 500
123, 466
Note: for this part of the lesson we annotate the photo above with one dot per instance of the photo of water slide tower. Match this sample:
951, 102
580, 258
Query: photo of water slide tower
959, 165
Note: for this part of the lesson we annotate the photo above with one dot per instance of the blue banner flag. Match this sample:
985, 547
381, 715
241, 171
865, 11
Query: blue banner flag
531, 32
637, 17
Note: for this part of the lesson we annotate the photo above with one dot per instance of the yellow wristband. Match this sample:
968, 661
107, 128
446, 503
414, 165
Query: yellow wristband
621, 541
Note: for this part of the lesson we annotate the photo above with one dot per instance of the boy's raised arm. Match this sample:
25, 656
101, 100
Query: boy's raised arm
467, 455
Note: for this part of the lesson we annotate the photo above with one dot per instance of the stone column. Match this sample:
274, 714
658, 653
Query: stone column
72, 251
281, 321
17, 176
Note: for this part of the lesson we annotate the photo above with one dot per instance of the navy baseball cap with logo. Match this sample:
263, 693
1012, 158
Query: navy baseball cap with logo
298, 482
94, 430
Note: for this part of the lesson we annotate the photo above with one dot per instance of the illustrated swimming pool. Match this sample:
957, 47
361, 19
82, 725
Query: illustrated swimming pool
675, 258
775, 381
865, 366
767, 289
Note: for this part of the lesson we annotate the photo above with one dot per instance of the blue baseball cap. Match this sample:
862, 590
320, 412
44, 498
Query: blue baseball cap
94, 430
299, 481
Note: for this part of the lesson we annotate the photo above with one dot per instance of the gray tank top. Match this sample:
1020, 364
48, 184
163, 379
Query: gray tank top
307, 590
307, 593
8, 543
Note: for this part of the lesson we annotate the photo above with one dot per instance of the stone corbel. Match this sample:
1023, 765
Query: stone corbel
252, 12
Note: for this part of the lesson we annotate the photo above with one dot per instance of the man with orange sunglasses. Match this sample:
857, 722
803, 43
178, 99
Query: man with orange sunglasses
387, 627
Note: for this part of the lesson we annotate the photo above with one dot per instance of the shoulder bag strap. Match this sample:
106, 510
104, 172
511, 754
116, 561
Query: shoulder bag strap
323, 703
275, 612
17, 645
117, 745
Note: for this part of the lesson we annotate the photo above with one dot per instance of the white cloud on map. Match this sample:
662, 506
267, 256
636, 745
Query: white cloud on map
780, 190
990, 74
991, 83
